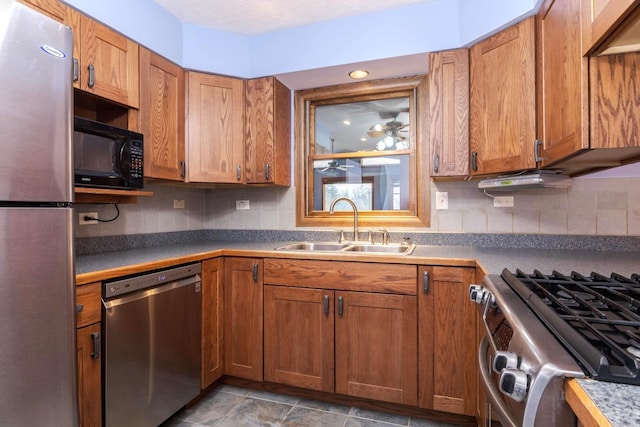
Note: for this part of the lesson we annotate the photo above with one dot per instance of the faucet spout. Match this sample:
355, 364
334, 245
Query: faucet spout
355, 213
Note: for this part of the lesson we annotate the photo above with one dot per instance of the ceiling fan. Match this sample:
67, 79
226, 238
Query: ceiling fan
335, 166
389, 132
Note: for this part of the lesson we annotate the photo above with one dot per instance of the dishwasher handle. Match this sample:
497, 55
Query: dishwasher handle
145, 293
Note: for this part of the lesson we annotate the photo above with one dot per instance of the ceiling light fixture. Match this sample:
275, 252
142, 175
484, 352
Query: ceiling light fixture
358, 74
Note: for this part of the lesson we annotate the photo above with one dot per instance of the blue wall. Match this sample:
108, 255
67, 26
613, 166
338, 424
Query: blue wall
417, 28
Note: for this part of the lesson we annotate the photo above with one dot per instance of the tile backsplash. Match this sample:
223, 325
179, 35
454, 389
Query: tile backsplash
602, 206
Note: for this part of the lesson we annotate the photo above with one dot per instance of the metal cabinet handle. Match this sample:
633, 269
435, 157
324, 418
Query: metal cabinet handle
95, 337
326, 304
425, 282
92, 76
255, 272
340, 306
183, 169
238, 172
76, 69
267, 172
436, 163
474, 161
537, 147
79, 308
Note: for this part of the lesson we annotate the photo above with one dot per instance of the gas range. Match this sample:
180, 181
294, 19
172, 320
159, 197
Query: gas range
544, 328
597, 318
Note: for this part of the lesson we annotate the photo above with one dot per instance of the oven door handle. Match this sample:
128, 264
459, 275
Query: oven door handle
493, 394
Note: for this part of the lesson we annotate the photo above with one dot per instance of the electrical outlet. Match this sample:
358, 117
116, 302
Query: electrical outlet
83, 221
178, 204
242, 205
442, 200
503, 202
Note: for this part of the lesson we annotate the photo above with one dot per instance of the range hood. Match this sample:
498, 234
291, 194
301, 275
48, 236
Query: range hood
526, 181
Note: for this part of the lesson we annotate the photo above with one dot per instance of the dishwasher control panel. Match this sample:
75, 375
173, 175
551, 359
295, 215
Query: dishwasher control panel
115, 288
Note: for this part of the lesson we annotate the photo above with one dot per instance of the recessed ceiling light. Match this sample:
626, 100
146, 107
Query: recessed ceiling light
358, 74
346, 122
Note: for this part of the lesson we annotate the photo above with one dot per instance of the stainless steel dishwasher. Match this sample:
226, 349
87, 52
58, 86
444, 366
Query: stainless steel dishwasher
151, 345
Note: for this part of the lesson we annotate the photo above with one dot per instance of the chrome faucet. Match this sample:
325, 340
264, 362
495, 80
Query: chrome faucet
355, 214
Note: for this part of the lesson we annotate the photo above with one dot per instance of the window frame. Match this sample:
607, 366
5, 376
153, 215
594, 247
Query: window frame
419, 178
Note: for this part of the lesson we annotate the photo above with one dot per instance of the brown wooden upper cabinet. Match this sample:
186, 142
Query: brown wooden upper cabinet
604, 18
162, 116
105, 62
588, 115
562, 81
215, 142
267, 124
449, 113
502, 113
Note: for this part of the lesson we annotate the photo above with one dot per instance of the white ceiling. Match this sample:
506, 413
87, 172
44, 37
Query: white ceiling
252, 17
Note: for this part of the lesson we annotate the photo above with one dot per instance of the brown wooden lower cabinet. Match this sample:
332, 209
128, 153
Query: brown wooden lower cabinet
298, 337
212, 322
88, 338
89, 376
447, 340
361, 344
242, 290
376, 346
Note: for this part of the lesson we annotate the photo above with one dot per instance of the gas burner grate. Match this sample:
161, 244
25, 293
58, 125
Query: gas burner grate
597, 318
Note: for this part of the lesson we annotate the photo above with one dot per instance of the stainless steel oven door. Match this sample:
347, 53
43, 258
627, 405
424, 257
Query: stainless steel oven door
501, 408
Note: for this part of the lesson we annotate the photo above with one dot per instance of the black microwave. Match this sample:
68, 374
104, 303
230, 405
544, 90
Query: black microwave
107, 156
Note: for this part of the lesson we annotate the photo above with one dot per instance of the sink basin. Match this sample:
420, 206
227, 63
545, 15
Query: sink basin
382, 249
349, 247
313, 246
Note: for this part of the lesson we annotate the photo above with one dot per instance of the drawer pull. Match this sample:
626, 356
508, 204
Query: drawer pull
79, 308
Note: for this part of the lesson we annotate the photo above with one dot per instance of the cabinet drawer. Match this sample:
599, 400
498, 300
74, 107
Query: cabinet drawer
339, 275
87, 297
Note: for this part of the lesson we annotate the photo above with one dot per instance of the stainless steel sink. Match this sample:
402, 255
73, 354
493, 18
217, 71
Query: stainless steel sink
313, 246
349, 247
382, 249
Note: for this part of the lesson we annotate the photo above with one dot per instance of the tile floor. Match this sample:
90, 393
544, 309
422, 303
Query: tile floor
230, 406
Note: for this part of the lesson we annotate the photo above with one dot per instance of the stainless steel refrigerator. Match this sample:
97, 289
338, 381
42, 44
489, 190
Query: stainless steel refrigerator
37, 316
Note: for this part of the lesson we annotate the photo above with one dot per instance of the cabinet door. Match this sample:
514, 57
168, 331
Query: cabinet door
108, 63
615, 103
214, 128
502, 114
563, 91
376, 346
243, 318
212, 321
267, 132
162, 105
449, 113
600, 18
298, 337
447, 340
89, 376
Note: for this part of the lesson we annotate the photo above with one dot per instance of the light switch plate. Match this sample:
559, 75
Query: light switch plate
442, 200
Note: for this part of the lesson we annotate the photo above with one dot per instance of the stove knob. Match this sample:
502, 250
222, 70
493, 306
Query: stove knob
514, 383
477, 293
505, 360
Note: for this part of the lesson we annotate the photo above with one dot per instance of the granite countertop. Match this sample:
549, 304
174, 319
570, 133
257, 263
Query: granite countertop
619, 403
